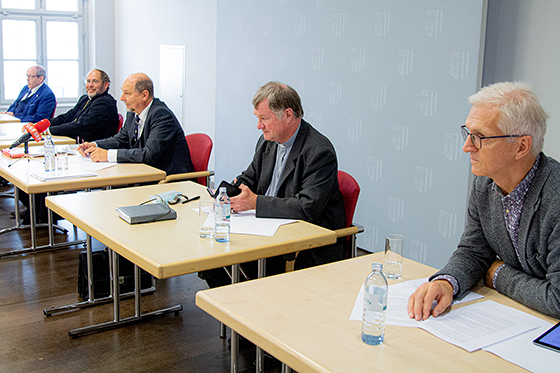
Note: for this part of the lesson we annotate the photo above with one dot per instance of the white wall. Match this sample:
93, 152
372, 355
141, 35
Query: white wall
522, 43
142, 26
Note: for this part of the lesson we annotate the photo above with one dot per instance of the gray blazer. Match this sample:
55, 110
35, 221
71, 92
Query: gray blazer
308, 188
534, 278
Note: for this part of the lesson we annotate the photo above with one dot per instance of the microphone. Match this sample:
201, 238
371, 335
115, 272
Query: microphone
32, 131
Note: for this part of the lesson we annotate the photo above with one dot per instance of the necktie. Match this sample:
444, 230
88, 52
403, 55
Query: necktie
136, 122
28, 94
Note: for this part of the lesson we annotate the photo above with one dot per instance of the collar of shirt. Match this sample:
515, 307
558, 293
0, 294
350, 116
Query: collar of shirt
142, 117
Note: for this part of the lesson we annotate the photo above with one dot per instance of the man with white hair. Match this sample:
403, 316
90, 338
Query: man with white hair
512, 235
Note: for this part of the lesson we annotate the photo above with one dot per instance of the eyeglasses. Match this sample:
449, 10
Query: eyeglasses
94, 81
32, 76
477, 139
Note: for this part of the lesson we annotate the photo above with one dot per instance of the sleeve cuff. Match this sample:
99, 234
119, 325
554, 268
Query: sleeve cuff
112, 155
452, 280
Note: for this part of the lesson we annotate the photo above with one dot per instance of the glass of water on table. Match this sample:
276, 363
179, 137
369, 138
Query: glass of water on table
394, 245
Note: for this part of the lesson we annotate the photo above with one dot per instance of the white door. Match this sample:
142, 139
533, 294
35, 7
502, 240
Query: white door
171, 78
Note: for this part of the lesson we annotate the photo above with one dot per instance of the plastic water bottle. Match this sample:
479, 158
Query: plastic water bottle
375, 306
222, 216
50, 154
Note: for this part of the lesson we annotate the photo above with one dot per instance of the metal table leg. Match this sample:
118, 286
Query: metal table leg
261, 268
117, 321
234, 336
92, 301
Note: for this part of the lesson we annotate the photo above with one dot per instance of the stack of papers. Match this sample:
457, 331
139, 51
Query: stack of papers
247, 223
487, 325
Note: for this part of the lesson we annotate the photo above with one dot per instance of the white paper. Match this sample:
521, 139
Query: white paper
63, 174
247, 223
480, 324
397, 301
521, 351
86, 164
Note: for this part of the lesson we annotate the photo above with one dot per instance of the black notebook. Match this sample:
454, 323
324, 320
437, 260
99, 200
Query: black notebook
146, 213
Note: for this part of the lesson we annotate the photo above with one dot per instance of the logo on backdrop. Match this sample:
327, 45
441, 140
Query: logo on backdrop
382, 23
447, 224
378, 97
405, 59
418, 251
314, 118
428, 102
337, 26
281, 56
453, 146
375, 168
396, 209
335, 92
459, 66
300, 23
423, 179
370, 237
433, 22
266, 25
251, 56
317, 54
400, 137
354, 129
358, 59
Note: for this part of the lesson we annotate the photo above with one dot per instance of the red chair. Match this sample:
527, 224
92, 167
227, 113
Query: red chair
121, 121
350, 191
200, 147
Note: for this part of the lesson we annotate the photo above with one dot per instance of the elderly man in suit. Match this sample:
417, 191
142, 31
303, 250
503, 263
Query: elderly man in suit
36, 101
512, 235
294, 174
151, 134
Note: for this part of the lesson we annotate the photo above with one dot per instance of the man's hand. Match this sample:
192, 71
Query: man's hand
97, 154
7, 112
490, 273
83, 147
420, 302
247, 200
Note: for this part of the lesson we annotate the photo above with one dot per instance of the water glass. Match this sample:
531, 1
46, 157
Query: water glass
62, 160
205, 208
394, 246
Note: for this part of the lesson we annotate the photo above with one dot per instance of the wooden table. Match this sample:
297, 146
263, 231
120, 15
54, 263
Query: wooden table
10, 132
19, 174
302, 318
7, 118
172, 248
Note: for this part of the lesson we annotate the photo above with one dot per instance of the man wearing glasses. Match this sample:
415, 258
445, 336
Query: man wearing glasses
36, 101
95, 115
512, 235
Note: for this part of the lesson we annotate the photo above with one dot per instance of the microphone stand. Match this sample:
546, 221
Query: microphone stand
26, 154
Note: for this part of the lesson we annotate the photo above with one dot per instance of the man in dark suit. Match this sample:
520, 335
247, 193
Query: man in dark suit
95, 115
294, 174
36, 101
151, 134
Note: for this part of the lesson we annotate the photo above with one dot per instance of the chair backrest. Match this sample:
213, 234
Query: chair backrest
54, 110
121, 121
350, 192
200, 147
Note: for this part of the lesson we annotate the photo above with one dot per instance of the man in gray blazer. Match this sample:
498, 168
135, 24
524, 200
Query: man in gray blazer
512, 235
151, 134
293, 175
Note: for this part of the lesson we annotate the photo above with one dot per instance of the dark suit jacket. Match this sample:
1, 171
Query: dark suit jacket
533, 278
308, 188
39, 106
162, 144
91, 121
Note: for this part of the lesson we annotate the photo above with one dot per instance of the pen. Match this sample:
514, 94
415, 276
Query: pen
191, 199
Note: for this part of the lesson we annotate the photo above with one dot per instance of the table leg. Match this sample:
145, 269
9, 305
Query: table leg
32, 217
261, 270
234, 336
117, 321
